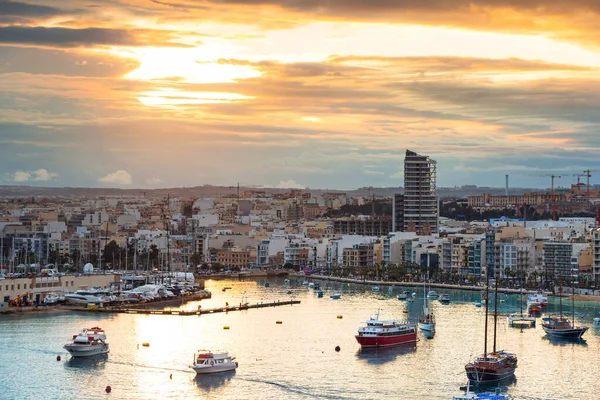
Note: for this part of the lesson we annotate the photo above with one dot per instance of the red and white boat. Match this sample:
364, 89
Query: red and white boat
380, 333
539, 298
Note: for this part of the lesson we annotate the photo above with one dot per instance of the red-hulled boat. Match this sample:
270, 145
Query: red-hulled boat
380, 333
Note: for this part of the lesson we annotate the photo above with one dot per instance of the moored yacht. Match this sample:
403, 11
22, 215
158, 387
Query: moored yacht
90, 296
494, 366
88, 342
207, 362
380, 333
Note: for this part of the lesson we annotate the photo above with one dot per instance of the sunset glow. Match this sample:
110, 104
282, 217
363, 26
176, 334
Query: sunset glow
321, 87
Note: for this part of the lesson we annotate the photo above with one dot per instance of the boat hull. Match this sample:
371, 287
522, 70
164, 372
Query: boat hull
385, 341
479, 375
203, 370
86, 351
426, 327
575, 333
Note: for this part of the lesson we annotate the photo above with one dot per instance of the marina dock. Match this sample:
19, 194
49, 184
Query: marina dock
200, 311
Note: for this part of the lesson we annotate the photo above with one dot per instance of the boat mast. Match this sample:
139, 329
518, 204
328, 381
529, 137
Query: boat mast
487, 306
495, 313
560, 296
573, 298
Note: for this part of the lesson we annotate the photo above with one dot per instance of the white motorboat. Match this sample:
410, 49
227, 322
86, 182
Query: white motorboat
403, 295
90, 296
88, 342
375, 288
432, 295
52, 298
335, 296
208, 362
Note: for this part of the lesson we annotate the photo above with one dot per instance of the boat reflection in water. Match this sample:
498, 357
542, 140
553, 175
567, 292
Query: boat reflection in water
97, 361
382, 355
214, 381
558, 341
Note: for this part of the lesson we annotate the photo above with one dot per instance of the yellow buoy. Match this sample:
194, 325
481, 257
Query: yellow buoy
278, 322
405, 311
339, 317
146, 344
226, 327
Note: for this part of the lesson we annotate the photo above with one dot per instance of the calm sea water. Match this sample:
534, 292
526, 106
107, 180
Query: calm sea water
293, 360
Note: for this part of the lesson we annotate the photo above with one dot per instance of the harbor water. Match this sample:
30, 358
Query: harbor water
292, 360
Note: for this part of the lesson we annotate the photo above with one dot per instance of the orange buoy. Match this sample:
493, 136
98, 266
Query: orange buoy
108, 389
171, 376
57, 358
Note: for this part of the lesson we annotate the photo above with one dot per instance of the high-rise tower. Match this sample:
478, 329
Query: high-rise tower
420, 200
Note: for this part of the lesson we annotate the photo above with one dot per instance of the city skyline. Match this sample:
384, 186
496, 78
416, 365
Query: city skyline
153, 94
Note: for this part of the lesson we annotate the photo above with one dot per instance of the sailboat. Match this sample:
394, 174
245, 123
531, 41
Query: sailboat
560, 327
520, 320
494, 366
427, 320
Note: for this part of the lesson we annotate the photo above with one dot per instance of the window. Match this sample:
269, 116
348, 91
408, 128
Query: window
18, 286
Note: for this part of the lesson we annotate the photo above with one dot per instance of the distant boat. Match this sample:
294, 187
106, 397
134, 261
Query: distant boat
320, 293
444, 299
427, 320
432, 295
596, 322
267, 284
403, 295
335, 296
560, 327
375, 288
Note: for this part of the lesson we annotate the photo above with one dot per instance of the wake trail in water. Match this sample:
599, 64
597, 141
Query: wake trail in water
295, 390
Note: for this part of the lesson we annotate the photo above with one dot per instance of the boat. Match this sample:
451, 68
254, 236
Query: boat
560, 327
226, 288
444, 299
335, 296
403, 295
208, 362
414, 295
267, 284
319, 293
497, 394
427, 320
90, 296
311, 285
88, 342
286, 282
375, 288
52, 298
538, 298
521, 320
432, 295
596, 321
477, 304
380, 333
494, 366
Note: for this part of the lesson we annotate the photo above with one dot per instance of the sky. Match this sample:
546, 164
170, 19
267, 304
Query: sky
297, 93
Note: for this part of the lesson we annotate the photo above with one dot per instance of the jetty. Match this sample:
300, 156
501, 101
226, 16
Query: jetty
199, 311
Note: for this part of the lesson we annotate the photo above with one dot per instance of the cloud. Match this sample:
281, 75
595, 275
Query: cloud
39, 175
290, 184
14, 8
153, 181
68, 37
120, 177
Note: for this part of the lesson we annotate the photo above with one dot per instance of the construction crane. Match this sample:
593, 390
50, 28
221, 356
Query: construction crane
588, 175
552, 176
579, 178
552, 199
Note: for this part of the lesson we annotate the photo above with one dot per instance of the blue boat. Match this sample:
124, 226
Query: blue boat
266, 284
320, 293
